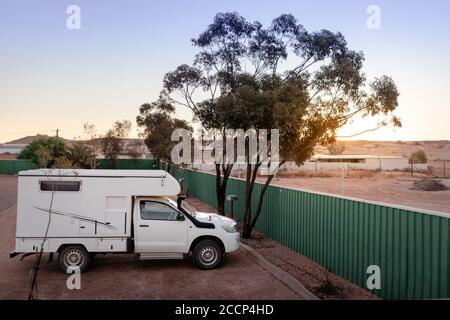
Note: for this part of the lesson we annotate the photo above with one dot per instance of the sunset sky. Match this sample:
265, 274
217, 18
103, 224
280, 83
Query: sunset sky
52, 77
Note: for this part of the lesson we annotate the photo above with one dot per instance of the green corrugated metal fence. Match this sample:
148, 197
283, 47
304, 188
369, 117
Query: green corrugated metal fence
14, 166
128, 164
346, 236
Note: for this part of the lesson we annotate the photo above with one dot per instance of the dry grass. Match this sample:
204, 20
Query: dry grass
304, 174
299, 173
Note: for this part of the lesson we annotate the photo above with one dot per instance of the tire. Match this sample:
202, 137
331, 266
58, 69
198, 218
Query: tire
207, 254
74, 256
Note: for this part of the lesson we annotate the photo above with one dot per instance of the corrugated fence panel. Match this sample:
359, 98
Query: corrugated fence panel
14, 166
128, 164
346, 236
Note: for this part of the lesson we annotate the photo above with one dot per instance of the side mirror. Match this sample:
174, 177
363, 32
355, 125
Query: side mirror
180, 216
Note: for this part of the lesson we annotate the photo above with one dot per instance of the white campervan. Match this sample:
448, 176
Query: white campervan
116, 211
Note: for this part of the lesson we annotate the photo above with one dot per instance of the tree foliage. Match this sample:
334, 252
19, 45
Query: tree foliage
306, 84
90, 146
336, 148
418, 156
157, 120
113, 141
44, 151
53, 152
82, 156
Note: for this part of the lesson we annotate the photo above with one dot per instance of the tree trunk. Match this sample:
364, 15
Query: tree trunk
250, 184
260, 203
221, 185
113, 162
250, 225
220, 194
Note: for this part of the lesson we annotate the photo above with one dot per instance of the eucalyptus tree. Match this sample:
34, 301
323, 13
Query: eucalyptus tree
157, 119
113, 141
306, 84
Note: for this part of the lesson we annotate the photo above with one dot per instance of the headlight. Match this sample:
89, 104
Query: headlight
231, 228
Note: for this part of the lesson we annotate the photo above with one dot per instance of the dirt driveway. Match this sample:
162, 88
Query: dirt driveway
123, 277
8, 191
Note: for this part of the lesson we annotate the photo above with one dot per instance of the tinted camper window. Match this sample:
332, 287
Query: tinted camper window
60, 185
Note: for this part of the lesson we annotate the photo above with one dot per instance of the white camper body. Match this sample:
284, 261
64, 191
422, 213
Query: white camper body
107, 211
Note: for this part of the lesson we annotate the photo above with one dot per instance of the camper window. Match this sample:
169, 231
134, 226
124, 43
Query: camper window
151, 210
60, 185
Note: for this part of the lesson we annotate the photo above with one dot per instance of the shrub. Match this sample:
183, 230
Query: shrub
418, 157
336, 148
82, 156
429, 185
44, 151
63, 163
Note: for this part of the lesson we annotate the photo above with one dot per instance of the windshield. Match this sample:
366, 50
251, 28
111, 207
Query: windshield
186, 206
190, 209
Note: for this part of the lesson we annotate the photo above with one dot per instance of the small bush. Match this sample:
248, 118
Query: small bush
429, 185
418, 157
336, 148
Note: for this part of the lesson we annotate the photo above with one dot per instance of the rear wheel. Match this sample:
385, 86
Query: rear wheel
207, 254
74, 256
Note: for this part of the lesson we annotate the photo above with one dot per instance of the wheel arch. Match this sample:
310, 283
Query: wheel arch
207, 237
62, 246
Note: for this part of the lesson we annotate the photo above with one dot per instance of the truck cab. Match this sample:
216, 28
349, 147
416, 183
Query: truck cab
165, 229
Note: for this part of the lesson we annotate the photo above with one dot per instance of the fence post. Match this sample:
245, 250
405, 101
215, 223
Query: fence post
444, 168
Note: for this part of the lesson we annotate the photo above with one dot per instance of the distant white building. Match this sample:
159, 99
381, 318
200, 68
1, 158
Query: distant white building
356, 161
11, 148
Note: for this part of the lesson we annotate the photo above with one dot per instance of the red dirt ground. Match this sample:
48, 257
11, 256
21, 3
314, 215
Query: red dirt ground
312, 275
121, 276
392, 188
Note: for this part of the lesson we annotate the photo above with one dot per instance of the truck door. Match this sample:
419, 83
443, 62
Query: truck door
157, 228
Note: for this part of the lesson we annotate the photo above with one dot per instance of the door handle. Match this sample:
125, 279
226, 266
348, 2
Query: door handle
144, 225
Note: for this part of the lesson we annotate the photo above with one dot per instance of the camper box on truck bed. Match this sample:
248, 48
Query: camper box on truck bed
90, 207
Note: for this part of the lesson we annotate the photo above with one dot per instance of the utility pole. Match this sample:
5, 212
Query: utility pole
57, 133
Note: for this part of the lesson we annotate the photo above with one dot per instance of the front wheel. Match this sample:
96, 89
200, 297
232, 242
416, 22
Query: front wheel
74, 256
207, 254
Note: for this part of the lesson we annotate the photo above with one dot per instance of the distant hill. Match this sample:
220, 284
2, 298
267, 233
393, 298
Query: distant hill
128, 142
435, 149
29, 139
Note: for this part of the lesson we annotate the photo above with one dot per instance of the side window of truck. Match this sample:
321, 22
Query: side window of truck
152, 210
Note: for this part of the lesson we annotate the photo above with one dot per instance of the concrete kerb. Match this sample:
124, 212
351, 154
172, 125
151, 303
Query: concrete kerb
291, 282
